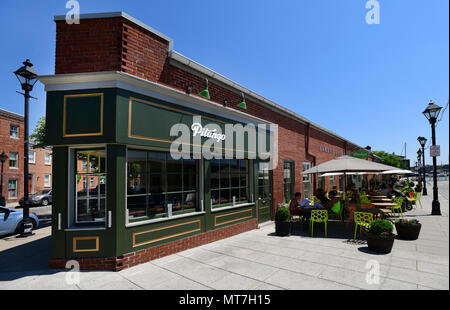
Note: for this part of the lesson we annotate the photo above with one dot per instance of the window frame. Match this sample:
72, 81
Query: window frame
164, 215
15, 189
16, 160
34, 157
89, 175
49, 157
292, 178
49, 180
18, 131
234, 203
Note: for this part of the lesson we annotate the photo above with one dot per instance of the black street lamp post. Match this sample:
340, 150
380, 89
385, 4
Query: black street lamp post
432, 113
419, 164
27, 77
423, 142
3, 158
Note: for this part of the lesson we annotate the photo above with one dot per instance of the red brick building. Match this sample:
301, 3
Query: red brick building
40, 161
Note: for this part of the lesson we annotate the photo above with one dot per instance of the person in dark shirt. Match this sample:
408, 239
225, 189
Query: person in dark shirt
326, 202
333, 192
294, 204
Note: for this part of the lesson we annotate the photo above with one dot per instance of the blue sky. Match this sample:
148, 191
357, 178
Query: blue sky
319, 58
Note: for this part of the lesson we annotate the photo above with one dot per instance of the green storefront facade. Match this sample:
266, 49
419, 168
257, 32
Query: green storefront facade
116, 188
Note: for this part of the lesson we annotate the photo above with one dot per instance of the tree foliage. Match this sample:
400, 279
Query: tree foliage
389, 159
38, 135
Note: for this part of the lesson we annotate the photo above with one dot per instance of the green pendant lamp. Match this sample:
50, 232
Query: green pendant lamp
243, 104
205, 93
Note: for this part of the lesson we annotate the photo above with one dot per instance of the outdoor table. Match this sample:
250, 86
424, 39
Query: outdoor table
377, 196
376, 212
381, 199
384, 204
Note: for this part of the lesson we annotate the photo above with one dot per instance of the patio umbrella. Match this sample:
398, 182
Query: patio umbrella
349, 165
397, 171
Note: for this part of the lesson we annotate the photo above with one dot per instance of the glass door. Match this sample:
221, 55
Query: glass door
264, 193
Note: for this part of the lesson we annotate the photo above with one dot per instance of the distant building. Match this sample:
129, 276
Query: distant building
40, 160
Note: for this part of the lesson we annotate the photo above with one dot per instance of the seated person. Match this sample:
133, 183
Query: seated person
384, 190
327, 203
294, 204
333, 192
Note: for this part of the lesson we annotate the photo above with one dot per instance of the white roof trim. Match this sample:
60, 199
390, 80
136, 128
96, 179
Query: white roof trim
116, 79
124, 15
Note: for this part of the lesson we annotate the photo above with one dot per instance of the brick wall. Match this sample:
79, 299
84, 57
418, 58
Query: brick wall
143, 256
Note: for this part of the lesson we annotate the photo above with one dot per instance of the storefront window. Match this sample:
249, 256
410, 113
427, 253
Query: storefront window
90, 186
307, 190
229, 182
158, 185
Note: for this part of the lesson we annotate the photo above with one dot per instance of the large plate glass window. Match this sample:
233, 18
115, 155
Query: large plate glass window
90, 186
264, 181
229, 182
159, 186
307, 190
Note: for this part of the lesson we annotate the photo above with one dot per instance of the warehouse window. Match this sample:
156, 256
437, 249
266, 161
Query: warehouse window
159, 186
14, 160
229, 182
288, 180
12, 189
31, 157
14, 131
47, 180
48, 159
91, 186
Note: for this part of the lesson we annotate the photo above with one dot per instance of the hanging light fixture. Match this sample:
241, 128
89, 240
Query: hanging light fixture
243, 104
205, 93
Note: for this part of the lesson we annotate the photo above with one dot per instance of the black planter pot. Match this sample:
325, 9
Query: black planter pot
380, 244
408, 232
282, 228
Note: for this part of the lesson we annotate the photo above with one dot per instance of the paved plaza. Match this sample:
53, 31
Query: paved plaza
257, 260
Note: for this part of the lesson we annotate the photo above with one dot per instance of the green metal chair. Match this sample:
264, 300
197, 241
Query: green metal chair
419, 198
362, 219
318, 216
398, 208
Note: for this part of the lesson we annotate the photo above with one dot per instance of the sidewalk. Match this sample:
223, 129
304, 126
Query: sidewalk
260, 260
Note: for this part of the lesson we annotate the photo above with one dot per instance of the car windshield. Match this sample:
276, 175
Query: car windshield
42, 192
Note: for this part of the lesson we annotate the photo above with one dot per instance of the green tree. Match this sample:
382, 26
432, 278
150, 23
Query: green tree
38, 135
389, 159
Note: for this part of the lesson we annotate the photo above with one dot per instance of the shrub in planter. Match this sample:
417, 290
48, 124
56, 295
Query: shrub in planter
380, 237
408, 229
283, 222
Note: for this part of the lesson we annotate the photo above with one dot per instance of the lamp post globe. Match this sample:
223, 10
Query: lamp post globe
432, 113
423, 142
27, 77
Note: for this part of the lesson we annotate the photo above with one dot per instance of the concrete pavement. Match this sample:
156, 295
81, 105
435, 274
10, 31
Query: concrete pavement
260, 260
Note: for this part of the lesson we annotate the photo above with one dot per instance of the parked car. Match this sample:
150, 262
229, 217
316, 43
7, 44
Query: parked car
40, 198
10, 220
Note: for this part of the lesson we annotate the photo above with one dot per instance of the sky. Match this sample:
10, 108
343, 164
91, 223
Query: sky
366, 82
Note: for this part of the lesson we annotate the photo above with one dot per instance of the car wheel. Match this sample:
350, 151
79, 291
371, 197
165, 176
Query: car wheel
44, 202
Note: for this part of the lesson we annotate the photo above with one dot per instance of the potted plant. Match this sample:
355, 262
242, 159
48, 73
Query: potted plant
283, 222
408, 229
380, 237
364, 201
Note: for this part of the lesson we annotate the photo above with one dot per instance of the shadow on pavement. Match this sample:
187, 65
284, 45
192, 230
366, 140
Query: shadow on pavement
25, 260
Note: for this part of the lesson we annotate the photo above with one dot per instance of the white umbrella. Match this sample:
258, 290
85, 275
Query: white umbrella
398, 171
348, 164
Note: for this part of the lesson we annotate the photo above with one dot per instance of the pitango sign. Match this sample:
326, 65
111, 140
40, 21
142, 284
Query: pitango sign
252, 141
198, 129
